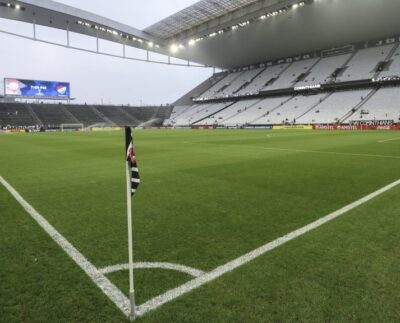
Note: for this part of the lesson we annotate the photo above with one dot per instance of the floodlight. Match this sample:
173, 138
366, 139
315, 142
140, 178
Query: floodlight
174, 48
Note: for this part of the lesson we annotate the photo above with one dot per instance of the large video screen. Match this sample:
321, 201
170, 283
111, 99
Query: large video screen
36, 89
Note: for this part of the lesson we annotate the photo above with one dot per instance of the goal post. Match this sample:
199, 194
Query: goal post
69, 127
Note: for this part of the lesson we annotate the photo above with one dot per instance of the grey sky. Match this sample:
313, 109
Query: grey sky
95, 77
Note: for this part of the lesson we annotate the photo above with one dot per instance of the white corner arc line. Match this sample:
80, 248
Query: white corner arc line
154, 265
240, 261
105, 285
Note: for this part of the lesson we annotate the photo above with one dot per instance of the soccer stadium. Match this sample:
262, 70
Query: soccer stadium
200, 161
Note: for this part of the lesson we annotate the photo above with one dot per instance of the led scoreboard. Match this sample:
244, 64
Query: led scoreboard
36, 89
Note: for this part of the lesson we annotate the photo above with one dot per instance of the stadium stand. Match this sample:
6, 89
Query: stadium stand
338, 86
53, 115
259, 110
115, 115
347, 85
263, 79
363, 64
200, 112
292, 109
295, 73
334, 108
393, 67
229, 112
84, 114
221, 85
16, 115
384, 105
322, 72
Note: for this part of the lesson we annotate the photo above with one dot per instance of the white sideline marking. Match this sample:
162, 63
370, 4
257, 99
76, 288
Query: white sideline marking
228, 267
106, 286
318, 152
151, 265
324, 152
388, 140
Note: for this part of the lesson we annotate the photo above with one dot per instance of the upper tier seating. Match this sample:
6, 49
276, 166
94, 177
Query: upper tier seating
363, 64
243, 79
290, 76
231, 86
214, 90
322, 71
270, 73
394, 68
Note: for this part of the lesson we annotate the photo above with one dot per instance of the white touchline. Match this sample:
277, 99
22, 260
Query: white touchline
154, 265
107, 287
228, 267
327, 152
318, 152
389, 140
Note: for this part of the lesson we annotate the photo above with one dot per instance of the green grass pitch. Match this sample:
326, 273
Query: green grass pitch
206, 197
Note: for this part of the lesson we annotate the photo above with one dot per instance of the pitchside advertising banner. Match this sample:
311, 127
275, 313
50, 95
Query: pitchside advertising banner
36, 89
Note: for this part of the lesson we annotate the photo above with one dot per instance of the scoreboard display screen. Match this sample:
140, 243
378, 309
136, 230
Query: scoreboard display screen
36, 89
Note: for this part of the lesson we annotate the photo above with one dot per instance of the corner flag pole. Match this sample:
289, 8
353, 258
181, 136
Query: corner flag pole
128, 139
130, 242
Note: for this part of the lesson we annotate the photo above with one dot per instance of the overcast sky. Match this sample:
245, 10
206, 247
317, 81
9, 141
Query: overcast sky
93, 77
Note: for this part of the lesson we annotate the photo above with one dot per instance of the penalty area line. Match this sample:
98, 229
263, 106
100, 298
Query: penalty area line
105, 285
242, 260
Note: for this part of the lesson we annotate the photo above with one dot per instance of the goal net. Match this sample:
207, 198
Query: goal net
68, 127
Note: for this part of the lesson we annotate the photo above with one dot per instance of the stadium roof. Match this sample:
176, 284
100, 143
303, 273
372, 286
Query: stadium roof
231, 33
201, 12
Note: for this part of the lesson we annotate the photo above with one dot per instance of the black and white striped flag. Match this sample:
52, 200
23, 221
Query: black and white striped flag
131, 159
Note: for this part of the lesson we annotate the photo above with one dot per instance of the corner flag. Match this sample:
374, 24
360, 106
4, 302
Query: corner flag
131, 159
132, 183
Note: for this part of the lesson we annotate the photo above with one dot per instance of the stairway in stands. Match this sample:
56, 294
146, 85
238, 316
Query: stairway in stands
358, 106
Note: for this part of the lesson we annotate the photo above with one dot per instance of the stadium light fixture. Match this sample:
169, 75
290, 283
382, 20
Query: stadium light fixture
242, 24
150, 44
191, 42
174, 48
17, 6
